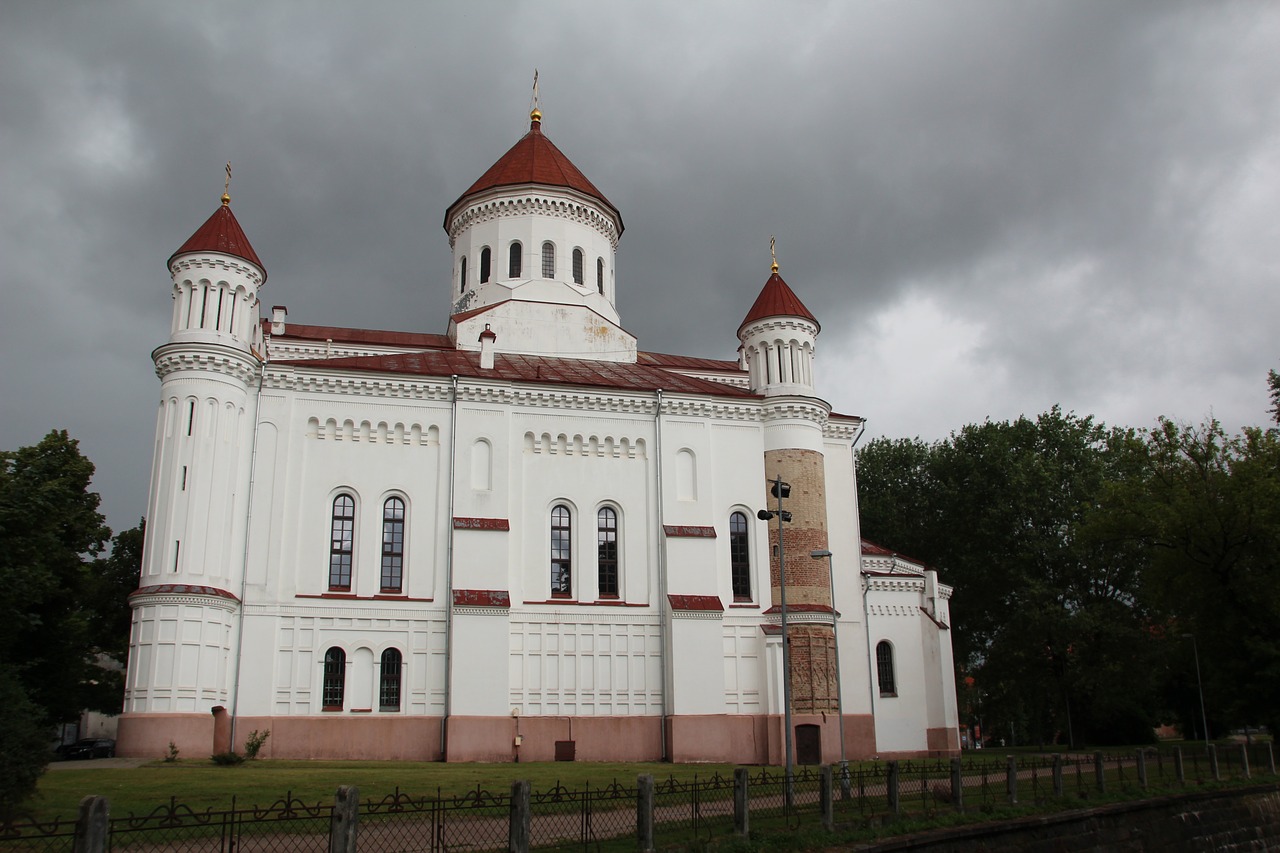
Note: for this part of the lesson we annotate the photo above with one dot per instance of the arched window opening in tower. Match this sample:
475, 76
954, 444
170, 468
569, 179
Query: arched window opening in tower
577, 266
392, 545
334, 690
607, 551
462, 277
514, 264
342, 533
561, 552
600, 274
548, 260
739, 557
884, 669
486, 261
389, 681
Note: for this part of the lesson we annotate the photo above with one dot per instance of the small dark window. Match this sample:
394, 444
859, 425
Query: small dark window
392, 545
462, 277
561, 553
548, 260
884, 669
342, 530
389, 681
607, 550
335, 680
600, 274
485, 262
514, 265
739, 557
577, 266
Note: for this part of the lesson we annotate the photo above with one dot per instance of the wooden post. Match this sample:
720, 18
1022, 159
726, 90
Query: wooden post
1244, 760
741, 808
1057, 774
957, 785
1213, 762
91, 825
1142, 768
1011, 778
1271, 760
1099, 773
891, 786
826, 784
1178, 769
644, 813
346, 814
519, 821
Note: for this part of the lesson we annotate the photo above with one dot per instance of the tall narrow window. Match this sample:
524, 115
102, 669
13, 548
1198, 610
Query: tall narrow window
342, 530
739, 557
548, 260
334, 691
577, 266
486, 261
561, 553
607, 550
389, 681
600, 274
884, 669
392, 545
514, 265
462, 277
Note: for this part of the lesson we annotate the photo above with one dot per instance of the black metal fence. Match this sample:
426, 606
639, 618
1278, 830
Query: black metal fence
653, 814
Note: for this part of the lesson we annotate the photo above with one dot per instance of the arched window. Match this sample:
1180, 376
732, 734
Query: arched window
884, 669
561, 552
607, 550
392, 545
389, 681
600, 274
342, 530
335, 680
548, 260
577, 266
514, 264
739, 557
462, 277
486, 258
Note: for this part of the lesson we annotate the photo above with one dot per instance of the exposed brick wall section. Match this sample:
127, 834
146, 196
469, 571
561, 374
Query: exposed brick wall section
813, 668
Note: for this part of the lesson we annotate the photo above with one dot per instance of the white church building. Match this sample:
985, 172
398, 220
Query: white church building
524, 539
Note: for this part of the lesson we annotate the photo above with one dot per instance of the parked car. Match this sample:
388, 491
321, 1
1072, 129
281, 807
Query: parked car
90, 747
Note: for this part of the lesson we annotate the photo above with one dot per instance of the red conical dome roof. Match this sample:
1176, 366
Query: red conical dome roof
534, 160
776, 299
221, 233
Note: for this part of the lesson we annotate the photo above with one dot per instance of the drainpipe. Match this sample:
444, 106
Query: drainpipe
664, 614
448, 573
244, 563
866, 609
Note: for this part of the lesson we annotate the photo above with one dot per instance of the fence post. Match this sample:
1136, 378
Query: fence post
741, 809
826, 787
1271, 760
1099, 773
1244, 760
957, 785
1212, 751
1179, 771
891, 785
644, 813
1057, 774
91, 825
519, 818
346, 813
1011, 778
1142, 768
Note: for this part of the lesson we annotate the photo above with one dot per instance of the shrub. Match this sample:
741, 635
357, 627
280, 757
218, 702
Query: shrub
172, 755
24, 748
227, 759
254, 743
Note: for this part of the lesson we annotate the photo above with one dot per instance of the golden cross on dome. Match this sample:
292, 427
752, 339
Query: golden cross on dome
773, 253
536, 110
226, 186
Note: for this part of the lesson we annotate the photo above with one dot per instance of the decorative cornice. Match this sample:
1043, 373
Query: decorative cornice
507, 204
182, 593
790, 409
205, 357
776, 324
689, 531
482, 598
228, 263
841, 430
700, 603
463, 523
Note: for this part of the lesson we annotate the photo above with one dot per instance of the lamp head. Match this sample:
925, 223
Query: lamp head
777, 486
819, 555
764, 515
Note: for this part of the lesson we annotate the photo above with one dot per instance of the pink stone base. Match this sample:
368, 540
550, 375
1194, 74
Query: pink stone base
149, 735
943, 743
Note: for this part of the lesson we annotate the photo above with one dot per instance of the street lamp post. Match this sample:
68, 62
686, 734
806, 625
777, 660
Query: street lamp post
835, 639
782, 490
1204, 720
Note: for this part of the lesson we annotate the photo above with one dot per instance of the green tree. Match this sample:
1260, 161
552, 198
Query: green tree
1273, 382
113, 579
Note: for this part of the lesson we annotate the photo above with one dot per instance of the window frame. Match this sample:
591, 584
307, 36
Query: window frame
390, 680
486, 265
344, 555
561, 558
548, 259
579, 266
333, 685
740, 557
885, 671
607, 565
600, 275
462, 276
393, 552
515, 259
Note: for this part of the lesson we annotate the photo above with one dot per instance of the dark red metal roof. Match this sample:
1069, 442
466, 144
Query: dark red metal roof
776, 299
221, 233
534, 160
338, 334
688, 362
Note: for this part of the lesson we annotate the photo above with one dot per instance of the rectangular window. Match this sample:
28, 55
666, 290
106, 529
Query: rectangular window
177, 549
191, 416
561, 553
392, 545
184, 478
607, 551
341, 542
739, 557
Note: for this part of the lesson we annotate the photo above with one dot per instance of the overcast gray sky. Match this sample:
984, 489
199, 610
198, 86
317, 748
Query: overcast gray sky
992, 207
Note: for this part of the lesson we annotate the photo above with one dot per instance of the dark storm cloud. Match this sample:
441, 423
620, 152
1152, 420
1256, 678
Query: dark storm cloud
992, 207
